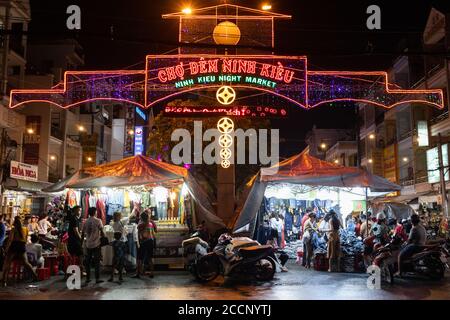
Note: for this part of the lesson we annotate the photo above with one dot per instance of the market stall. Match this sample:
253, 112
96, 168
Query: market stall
135, 184
289, 188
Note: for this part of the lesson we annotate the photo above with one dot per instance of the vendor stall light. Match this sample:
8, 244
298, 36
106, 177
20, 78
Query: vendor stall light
370, 160
266, 7
323, 145
184, 190
131, 132
53, 157
81, 128
187, 10
30, 131
371, 136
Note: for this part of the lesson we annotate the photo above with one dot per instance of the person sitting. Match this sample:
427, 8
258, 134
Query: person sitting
33, 226
417, 238
400, 231
44, 226
34, 252
380, 230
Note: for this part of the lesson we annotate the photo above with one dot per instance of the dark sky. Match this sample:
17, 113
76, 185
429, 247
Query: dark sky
332, 34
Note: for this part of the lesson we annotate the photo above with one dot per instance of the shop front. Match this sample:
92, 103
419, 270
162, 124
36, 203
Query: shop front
22, 192
134, 185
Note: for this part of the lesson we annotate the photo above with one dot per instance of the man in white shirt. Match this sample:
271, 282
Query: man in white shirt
44, 226
92, 231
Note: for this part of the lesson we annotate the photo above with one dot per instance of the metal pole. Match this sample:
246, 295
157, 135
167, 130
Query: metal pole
367, 216
4, 83
442, 177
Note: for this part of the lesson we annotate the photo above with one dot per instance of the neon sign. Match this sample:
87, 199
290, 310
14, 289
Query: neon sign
138, 140
241, 111
168, 76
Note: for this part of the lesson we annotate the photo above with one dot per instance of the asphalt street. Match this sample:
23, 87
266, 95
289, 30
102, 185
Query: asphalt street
296, 284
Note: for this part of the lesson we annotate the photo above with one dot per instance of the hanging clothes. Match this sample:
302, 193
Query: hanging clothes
71, 198
101, 210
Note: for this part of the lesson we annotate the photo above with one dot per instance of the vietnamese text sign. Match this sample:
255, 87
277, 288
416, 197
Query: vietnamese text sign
433, 164
138, 140
23, 171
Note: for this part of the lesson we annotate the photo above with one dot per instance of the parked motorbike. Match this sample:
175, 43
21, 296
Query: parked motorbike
241, 256
194, 248
431, 261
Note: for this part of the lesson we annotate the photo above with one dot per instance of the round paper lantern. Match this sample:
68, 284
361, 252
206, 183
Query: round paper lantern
227, 33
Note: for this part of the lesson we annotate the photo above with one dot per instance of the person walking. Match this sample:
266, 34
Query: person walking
16, 250
74, 243
146, 236
2, 239
92, 231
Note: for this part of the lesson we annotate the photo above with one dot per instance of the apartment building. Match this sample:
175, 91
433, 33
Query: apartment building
389, 141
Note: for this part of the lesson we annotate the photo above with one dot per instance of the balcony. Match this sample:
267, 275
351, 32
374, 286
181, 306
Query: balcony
57, 133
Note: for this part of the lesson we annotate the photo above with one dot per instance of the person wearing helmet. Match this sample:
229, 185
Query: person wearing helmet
399, 230
380, 229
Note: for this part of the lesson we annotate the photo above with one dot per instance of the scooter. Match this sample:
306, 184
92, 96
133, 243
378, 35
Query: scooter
194, 248
431, 261
238, 256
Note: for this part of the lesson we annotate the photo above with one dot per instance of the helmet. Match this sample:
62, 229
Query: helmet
224, 239
381, 216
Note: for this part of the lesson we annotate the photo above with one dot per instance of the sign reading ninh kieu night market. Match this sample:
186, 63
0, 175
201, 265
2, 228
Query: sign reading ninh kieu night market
227, 78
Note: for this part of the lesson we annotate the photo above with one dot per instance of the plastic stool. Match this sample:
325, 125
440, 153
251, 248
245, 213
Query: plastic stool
43, 273
16, 271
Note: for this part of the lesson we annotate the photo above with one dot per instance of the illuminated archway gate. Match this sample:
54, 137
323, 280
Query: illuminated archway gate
167, 76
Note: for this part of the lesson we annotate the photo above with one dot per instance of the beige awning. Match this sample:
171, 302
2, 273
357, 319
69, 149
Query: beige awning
23, 185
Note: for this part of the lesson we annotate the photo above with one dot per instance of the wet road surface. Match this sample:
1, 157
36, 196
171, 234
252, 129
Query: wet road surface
297, 284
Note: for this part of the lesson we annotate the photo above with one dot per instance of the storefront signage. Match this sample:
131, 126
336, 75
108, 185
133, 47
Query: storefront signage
390, 163
274, 74
238, 111
23, 171
433, 164
138, 140
422, 133
129, 127
31, 140
141, 114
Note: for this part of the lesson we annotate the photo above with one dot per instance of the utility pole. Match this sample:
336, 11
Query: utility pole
4, 62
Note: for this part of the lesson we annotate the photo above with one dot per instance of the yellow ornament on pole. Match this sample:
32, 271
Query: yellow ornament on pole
227, 33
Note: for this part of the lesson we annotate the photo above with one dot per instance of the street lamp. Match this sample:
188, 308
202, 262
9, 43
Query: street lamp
30, 131
371, 136
323, 145
187, 10
131, 132
266, 7
81, 128
89, 159
405, 159
336, 161
370, 161
53, 157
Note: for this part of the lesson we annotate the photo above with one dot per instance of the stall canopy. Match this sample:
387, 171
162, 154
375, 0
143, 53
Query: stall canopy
306, 170
141, 170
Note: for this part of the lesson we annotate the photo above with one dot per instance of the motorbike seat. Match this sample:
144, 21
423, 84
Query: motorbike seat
251, 251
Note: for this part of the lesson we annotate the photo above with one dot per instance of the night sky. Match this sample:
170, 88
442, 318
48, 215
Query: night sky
332, 34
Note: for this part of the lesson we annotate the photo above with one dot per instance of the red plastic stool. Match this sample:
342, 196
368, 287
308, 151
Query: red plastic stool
43, 273
16, 271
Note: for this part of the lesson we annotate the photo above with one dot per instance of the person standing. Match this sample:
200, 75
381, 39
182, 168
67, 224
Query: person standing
2, 239
277, 224
309, 228
119, 250
92, 230
334, 242
146, 236
16, 250
74, 242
